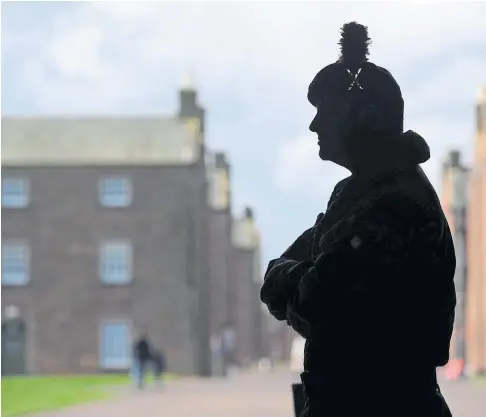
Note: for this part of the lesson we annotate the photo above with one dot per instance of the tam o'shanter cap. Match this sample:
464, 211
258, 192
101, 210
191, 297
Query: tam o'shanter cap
354, 74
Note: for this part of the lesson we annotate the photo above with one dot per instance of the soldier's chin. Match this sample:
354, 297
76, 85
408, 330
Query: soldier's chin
323, 154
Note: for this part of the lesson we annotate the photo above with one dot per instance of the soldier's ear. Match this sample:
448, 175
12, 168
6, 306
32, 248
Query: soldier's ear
369, 118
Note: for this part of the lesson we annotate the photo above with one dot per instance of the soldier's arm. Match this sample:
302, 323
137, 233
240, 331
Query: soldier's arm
282, 274
281, 280
362, 260
399, 260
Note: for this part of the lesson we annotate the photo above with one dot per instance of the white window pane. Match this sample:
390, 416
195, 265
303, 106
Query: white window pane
116, 263
115, 192
15, 193
15, 260
114, 341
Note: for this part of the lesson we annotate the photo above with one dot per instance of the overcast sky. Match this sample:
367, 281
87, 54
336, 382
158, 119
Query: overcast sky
252, 63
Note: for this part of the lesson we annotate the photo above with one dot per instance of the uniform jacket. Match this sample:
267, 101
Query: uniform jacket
370, 287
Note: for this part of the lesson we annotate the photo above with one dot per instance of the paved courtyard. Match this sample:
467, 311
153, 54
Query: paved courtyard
252, 395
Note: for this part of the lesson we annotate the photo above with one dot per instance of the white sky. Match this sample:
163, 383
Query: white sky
252, 63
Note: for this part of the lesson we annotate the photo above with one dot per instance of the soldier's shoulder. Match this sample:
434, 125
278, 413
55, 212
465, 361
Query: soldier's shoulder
340, 185
414, 201
338, 188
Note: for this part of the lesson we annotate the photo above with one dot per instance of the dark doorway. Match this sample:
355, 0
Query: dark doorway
13, 347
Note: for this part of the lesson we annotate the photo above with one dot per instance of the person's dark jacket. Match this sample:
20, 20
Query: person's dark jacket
142, 350
370, 286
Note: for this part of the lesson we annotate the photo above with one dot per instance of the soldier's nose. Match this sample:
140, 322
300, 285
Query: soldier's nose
312, 126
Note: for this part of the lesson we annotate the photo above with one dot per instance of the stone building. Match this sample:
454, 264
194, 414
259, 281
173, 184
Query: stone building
476, 226
235, 272
463, 199
105, 234
454, 203
245, 309
220, 251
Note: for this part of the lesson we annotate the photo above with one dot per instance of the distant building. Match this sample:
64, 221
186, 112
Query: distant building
105, 234
284, 336
220, 250
454, 201
476, 281
245, 308
235, 271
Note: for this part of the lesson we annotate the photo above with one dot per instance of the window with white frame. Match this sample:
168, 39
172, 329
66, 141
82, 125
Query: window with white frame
115, 192
15, 264
15, 192
115, 345
116, 262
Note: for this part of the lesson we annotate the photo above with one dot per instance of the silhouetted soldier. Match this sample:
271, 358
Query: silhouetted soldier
370, 285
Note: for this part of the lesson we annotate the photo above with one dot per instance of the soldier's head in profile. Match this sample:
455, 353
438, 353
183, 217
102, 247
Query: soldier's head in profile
355, 100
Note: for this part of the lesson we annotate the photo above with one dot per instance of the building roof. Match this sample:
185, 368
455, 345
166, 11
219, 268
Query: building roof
98, 141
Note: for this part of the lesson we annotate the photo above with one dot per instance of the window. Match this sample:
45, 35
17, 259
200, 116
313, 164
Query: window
115, 192
115, 263
15, 264
115, 345
15, 193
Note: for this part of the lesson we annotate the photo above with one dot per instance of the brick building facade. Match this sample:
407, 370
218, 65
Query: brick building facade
476, 285
454, 202
106, 233
463, 199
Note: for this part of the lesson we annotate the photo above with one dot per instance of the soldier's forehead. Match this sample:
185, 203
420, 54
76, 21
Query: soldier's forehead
328, 101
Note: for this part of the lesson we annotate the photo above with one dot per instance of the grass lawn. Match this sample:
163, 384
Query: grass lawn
23, 395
